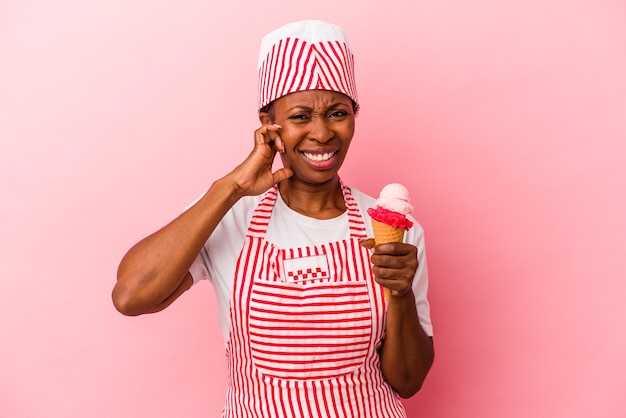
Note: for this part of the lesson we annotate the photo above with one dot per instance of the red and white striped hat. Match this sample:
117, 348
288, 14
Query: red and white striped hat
306, 55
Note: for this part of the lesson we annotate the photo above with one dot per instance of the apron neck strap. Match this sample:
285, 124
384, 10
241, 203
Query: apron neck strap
355, 220
263, 212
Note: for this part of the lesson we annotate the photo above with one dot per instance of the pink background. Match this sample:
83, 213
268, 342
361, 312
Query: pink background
508, 122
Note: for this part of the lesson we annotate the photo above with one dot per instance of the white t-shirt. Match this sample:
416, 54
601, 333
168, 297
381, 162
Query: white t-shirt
289, 229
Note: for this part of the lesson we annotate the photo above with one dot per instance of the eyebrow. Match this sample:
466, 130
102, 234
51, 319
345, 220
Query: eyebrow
309, 109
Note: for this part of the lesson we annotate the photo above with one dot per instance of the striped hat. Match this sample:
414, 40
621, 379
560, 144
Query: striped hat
306, 55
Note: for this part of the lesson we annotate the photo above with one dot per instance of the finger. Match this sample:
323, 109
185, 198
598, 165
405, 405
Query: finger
282, 174
391, 273
396, 287
278, 141
395, 248
266, 134
368, 243
389, 261
400, 266
260, 137
279, 144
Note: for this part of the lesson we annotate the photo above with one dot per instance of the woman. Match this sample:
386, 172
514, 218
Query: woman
299, 286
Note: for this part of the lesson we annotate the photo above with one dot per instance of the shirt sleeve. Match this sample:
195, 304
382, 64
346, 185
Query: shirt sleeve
420, 281
199, 270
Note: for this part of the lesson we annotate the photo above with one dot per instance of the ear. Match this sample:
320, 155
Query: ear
265, 118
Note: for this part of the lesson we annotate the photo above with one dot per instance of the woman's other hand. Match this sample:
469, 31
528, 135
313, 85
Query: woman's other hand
395, 265
254, 176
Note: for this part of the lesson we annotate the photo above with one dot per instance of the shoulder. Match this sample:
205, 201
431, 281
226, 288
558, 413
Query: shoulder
242, 211
246, 205
229, 234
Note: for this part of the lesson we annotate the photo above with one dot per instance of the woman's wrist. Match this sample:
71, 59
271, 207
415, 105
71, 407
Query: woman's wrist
228, 189
402, 301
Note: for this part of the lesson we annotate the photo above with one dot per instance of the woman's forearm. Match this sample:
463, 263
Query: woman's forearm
407, 352
155, 271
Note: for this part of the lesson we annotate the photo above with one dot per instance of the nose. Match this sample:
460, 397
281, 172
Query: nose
321, 130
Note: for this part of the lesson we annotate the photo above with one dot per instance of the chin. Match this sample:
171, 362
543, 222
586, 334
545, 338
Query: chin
318, 179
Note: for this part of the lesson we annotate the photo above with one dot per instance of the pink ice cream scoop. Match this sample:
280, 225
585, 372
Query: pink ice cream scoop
392, 207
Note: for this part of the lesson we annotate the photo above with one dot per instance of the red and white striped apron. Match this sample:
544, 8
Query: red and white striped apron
306, 324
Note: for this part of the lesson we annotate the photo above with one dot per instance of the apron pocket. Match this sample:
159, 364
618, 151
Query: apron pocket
318, 331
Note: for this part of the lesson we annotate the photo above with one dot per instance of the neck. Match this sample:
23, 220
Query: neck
320, 201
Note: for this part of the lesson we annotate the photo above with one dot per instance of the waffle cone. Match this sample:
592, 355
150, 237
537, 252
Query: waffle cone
384, 234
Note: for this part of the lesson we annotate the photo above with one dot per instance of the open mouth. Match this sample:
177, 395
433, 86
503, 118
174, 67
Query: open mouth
319, 157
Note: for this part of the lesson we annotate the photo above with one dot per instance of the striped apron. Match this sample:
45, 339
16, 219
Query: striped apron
306, 324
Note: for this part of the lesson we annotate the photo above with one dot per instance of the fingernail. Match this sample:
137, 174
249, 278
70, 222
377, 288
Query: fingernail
278, 126
281, 143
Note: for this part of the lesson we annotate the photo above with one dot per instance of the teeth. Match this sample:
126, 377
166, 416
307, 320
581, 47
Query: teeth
319, 157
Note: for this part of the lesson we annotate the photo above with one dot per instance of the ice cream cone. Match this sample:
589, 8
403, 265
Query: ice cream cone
383, 234
389, 219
